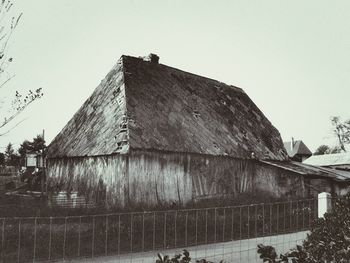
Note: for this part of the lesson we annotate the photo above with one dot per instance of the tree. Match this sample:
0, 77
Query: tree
322, 149
342, 130
11, 158
2, 159
325, 149
36, 145
9, 151
8, 24
24, 148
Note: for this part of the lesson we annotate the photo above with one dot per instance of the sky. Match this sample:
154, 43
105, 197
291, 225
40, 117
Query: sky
291, 57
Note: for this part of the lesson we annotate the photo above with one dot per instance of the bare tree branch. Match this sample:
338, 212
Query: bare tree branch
7, 80
8, 24
9, 130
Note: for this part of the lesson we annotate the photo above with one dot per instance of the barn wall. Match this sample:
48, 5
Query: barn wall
153, 178
158, 177
319, 185
342, 188
280, 182
97, 178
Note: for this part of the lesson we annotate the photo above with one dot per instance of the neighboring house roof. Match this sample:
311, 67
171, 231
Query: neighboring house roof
145, 105
329, 159
310, 170
296, 148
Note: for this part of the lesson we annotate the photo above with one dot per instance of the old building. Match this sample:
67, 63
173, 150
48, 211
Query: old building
297, 150
339, 161
152, 134
317, 179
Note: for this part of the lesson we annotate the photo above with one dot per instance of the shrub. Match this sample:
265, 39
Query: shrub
329, 240
180, 258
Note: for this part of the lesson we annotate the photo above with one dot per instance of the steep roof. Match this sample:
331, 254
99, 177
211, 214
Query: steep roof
146, 105
297, 148
329, 159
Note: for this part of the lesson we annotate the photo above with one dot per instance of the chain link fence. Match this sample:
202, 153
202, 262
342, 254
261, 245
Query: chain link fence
33, 239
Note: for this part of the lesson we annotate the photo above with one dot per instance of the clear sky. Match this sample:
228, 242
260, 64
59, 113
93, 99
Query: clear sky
291, 57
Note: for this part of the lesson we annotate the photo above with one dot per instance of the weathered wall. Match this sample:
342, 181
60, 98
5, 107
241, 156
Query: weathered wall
157, 178
98, 178
280, 182
319, 185
342, 188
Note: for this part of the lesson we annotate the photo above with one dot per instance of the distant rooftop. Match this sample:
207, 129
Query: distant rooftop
329, 159
296, 148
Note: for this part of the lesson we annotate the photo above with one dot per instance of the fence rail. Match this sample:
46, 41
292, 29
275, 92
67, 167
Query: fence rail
59, 238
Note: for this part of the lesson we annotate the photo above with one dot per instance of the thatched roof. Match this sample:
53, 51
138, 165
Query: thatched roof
145, 105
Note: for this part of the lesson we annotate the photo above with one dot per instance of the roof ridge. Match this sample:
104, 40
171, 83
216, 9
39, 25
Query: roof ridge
184, 71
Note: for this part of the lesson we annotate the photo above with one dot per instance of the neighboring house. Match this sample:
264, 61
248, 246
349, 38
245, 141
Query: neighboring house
338, 164
297, 150
151, 135
339, 161
317, 179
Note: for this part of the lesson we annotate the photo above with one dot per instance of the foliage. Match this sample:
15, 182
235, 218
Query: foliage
179, 258
296, 255
36, 145
2, 159
322, 149
8, 24
11, 159
325, 149
342, 130
329, 240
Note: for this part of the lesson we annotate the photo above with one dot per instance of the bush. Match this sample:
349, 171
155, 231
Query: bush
180, 258
329, 240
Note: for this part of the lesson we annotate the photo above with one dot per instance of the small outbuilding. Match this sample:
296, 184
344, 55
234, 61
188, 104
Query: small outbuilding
339, 161
297, 150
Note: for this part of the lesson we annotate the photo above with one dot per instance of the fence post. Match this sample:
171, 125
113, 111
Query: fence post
50, 237
19, 241
3, 241
324, 203
106, 237
93, 237
34, 245
64, 238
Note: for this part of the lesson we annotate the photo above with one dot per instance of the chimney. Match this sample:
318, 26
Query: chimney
293, 143
153, 58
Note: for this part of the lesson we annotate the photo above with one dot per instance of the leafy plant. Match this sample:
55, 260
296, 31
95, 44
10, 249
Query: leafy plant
329, 240
180, 258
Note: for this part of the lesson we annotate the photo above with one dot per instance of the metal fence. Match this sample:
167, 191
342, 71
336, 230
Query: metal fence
62, 238
242, 251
